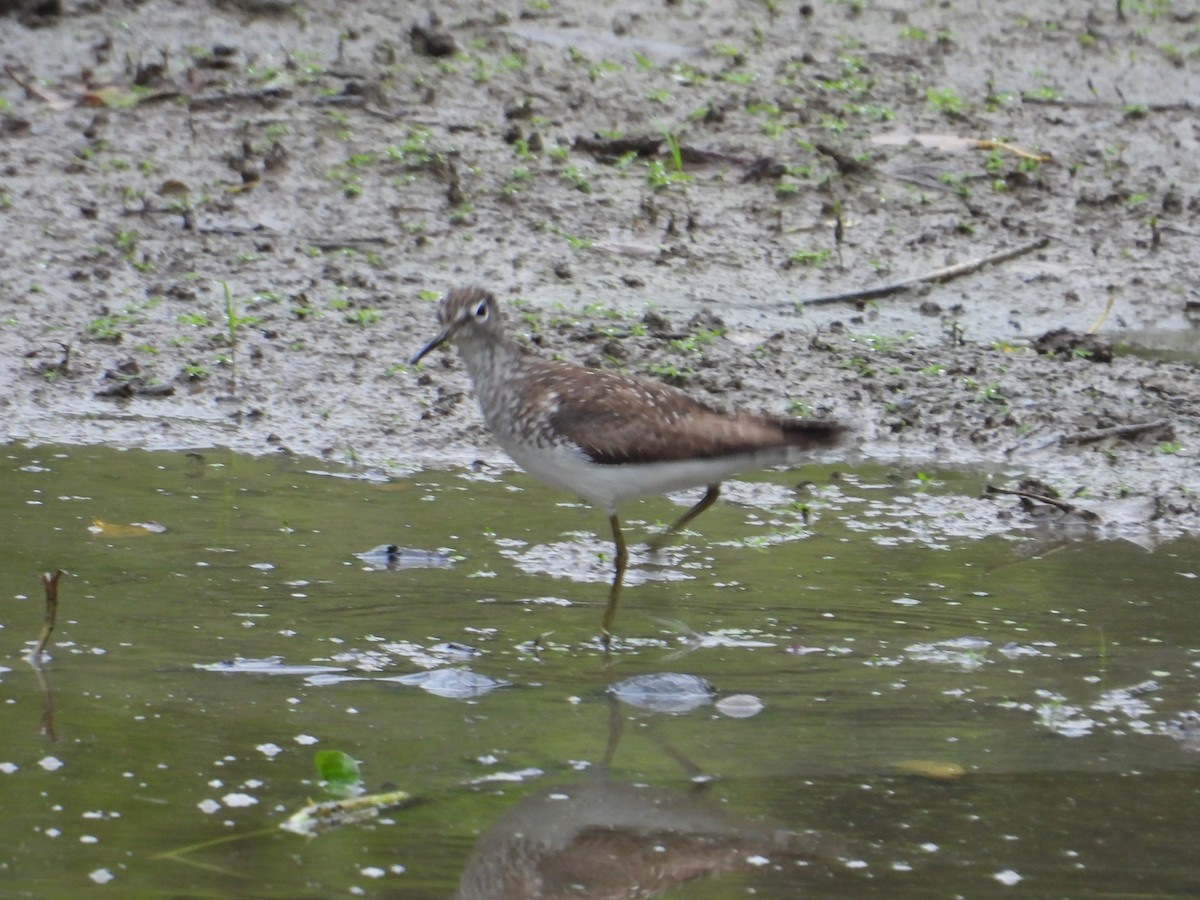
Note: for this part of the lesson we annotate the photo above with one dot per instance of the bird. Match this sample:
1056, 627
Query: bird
605, 436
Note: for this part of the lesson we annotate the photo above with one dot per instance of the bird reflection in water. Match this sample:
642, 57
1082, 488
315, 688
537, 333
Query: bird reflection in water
602, 840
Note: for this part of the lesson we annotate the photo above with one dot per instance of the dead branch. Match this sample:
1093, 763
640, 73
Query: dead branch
1036, 498
938, 276
1099, 434
46, 726
50, 583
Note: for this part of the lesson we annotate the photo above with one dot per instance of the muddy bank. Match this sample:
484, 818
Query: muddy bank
713, 165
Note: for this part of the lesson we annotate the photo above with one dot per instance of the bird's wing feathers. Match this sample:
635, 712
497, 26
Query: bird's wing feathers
618, 419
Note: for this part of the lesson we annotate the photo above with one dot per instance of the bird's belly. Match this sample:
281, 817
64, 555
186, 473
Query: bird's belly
606, 485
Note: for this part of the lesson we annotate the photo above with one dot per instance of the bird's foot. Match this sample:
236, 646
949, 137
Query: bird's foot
661, 541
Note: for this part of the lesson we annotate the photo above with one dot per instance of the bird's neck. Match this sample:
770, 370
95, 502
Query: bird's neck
495, 368
490, 360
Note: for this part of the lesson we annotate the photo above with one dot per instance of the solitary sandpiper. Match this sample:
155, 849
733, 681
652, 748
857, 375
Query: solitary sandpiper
608, 437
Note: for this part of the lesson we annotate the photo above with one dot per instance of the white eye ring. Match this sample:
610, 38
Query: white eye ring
482, 311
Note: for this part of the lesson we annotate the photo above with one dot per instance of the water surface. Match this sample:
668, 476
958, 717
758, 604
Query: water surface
944, 701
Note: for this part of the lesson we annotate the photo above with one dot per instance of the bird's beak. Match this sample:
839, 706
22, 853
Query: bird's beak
442, 337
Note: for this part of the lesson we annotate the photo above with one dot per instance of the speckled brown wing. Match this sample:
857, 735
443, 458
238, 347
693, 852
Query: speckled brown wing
618, 419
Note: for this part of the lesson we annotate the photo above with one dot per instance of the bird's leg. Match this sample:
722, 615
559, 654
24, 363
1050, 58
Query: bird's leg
710, 497
614, 595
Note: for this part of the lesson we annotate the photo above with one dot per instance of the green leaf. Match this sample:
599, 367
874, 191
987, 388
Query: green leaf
339, 771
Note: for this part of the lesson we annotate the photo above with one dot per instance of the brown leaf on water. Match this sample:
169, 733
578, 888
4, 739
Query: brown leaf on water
134, 529
931, 768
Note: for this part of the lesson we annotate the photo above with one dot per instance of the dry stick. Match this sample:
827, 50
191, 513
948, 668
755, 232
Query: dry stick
1030, 495
938, 275
50, 582
46, 726
1112, 298
1181, 106
1014, 150
1099, 434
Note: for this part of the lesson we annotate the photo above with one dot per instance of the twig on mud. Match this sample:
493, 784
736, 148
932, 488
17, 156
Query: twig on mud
266, 97
351, 100
1180, 106
1099, 323
937, 276
1020, 152
50, 583
350, 242
1030, 495
1099, 434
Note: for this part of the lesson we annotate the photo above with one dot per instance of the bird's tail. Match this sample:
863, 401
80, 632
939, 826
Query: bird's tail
806, 434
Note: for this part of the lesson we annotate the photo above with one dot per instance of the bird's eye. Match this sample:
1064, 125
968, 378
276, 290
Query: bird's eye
481, 311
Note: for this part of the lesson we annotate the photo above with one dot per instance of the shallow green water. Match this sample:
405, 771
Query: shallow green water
897, 634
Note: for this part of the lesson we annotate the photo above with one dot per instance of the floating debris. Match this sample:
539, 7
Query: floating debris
725, 637
271, 665
967, 652
667, 692
374, 477
1061, 717
391, 558
740, 706
317, 818
451, 683
1185, 729
455, 651
517, 776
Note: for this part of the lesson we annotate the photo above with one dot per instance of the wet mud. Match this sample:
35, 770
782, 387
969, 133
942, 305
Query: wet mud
225, 224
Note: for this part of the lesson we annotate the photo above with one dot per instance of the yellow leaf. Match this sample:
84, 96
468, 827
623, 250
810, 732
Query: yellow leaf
932, 768
135, 529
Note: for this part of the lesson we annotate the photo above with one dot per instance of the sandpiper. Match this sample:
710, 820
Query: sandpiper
608, 437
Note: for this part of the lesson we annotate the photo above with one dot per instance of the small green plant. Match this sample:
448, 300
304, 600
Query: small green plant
993, 393
945, 100
462, 215
810, 257
106, 328
195, 371
670, 372
958, 182
364, 317
577, 243
576, 178
1170, 447
833, 124
860, 365
1045, 93
517, 178
234, 323
697, 341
